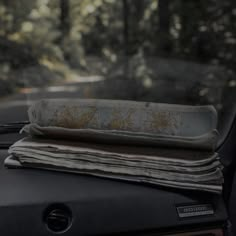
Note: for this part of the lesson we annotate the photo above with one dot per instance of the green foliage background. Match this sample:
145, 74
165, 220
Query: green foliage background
64, 35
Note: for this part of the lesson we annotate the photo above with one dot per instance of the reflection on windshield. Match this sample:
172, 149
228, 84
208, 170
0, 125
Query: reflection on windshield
148, 50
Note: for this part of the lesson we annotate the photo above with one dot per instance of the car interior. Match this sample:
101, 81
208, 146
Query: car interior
161, 52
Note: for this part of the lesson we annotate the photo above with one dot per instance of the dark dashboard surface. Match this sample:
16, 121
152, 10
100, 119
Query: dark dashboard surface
98, 206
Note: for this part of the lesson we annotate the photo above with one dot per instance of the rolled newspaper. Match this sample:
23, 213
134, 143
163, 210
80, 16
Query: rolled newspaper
126, 122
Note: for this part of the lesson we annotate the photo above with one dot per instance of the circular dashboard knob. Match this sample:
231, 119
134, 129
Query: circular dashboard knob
58, 218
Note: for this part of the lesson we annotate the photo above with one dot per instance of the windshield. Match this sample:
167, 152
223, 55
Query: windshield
180, 52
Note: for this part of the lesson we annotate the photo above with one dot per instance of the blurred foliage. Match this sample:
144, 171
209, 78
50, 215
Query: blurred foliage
71, 32
202, 30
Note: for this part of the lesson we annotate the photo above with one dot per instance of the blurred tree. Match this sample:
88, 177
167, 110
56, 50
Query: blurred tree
126, 27
65, 25
164, 16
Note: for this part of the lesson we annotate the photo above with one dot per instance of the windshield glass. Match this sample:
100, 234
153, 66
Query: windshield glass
180, 52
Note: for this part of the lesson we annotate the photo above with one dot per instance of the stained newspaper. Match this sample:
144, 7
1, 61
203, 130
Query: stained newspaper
159, 144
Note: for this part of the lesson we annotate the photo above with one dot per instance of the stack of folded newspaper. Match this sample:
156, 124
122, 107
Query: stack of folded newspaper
160, 144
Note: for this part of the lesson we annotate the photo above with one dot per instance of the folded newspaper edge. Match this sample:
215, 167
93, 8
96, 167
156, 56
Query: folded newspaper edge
198, 175
12, 162
183, 157
206, 141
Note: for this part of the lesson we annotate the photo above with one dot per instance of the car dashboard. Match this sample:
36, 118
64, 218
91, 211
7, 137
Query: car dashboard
40, 202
